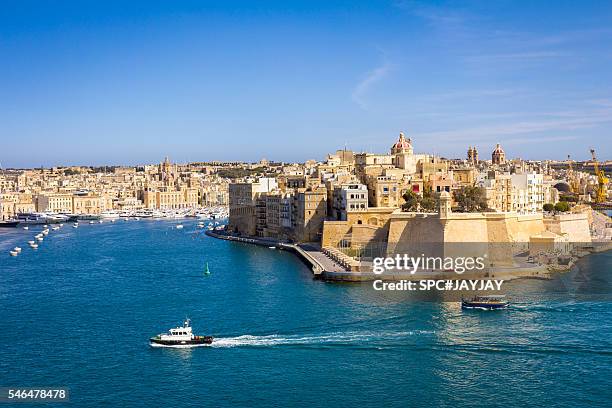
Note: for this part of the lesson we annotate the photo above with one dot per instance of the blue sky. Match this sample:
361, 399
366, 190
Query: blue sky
94, 82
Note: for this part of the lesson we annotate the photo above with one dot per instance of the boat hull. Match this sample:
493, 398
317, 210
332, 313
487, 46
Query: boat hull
483, 305
197, 341
8, 224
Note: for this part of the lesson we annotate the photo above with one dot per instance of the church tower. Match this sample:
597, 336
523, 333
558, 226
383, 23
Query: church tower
403, 153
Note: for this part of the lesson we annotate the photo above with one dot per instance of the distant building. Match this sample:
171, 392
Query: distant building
521, 193
349, 197
310, 210
498, 156
243, 201
472, 155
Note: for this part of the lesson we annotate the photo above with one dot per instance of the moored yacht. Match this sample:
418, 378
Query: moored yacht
109, 215
88, 217
146, 213
180, 337
32, 218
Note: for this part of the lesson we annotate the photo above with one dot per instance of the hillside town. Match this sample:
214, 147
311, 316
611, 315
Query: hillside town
294, 201
356, 206
352, 206
165, 187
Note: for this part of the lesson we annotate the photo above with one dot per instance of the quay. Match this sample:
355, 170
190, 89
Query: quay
325, 267
320, 263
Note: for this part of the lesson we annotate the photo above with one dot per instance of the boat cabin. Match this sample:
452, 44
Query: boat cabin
179, 333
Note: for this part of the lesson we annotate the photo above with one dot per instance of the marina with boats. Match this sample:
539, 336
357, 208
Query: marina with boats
40, 218
208, 219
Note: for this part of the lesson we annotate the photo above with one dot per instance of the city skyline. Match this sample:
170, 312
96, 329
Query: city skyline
116, 84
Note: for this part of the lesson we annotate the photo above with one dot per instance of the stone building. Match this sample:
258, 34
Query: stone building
349, 197
472, 156
243, 204
498, 156
309, 212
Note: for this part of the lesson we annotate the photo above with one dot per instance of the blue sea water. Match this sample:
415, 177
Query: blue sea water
78, 313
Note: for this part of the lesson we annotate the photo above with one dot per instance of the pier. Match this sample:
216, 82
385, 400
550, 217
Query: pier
320, 263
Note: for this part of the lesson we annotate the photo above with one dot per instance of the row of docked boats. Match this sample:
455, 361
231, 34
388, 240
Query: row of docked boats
41, 218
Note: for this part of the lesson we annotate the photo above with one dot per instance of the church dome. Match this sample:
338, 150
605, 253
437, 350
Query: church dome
402, 144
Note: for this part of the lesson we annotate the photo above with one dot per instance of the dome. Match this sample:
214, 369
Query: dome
498, 149
402, 143
562, 187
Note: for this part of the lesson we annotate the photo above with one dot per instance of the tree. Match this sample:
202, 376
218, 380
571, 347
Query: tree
430, 201
562, 206
548, 207
471, 199
570, 198
412, 201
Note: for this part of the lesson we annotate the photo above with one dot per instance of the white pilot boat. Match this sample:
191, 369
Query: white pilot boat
180, 337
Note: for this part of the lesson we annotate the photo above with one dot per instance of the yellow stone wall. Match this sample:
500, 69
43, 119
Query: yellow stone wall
576, 226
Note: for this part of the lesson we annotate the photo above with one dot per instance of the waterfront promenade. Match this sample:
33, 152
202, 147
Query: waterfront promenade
320, 263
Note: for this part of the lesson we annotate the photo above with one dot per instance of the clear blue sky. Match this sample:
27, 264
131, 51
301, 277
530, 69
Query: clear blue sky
126, 82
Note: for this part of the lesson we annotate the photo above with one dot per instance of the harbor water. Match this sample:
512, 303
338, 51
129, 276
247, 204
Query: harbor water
78, 312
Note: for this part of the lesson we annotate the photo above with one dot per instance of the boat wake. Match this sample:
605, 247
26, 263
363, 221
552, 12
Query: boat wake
340, 338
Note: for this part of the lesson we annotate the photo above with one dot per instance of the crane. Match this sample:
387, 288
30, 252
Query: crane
602, 181
571, 177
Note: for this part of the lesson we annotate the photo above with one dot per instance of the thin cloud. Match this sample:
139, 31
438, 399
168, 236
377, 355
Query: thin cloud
577, 120
362, 88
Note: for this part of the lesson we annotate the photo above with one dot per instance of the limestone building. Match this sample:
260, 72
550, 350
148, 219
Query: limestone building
498, 156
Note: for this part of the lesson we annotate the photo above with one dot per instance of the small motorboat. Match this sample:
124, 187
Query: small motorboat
180, 226
489, 302
91, 222
55, 228
14, 253
26, 228
31, 242
75, 225
34, 246
45, 232
180, 337
40, 239
17, 249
